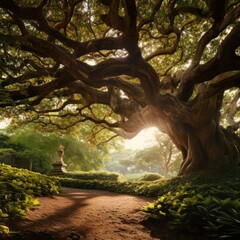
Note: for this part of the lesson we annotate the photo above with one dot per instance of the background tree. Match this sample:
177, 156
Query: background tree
26, 147
16, 154
121, 162
127, 65
162, 157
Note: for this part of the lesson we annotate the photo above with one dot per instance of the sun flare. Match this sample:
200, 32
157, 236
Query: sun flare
144, 139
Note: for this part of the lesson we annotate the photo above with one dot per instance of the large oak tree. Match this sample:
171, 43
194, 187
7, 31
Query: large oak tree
127, 65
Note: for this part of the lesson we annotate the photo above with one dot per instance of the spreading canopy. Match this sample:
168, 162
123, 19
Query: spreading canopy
163, 62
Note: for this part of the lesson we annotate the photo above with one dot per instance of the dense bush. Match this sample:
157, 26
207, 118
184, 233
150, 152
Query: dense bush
101, 176
197, 210
213, 207
18, 189
23, 147
150, 177
145, 188
113, 186
32, 183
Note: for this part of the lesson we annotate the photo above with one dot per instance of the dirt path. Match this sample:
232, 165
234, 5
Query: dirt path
88, 215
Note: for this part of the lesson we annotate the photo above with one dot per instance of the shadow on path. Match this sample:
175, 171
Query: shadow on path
79, 214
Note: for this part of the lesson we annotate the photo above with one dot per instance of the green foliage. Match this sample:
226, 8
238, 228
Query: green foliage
81, 156
4, 230
32, 183
144, 188
196, 210
117, 162
101, 176
26, 146
134, 176
204, 202
18, 189
24, 149
162, 157
226, 221
172, 36
150, 177
212, 207
113, 186
15, 201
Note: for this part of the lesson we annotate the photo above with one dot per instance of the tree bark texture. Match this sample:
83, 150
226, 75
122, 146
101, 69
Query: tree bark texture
143, 63
204, 144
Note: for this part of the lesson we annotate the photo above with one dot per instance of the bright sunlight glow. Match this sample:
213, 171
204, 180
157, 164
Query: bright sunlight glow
4, 124
143, 140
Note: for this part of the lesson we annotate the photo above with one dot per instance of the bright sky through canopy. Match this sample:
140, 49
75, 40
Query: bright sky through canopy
144, 139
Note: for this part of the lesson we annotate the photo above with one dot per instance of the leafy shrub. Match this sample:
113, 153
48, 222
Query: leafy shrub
150, 177
113, 186
14, 200
133, 176
192, 207
144, 188
225, 223
18, 189
101, 176
32, 183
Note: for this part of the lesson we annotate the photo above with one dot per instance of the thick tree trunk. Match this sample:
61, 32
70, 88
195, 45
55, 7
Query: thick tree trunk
198, 135
194, 128
207, 147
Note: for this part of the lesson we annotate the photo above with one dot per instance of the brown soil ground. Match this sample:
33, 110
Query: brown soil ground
91, 215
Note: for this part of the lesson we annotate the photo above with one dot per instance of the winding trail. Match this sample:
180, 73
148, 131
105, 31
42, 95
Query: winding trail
89, 215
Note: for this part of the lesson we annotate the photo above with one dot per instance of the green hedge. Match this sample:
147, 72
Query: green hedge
18, 191
144, 188
151, 177
113, 186
101, 176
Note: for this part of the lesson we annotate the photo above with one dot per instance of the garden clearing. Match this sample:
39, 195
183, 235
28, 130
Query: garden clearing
91, 215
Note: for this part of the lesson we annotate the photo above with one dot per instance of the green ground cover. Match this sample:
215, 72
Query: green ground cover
19, 189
